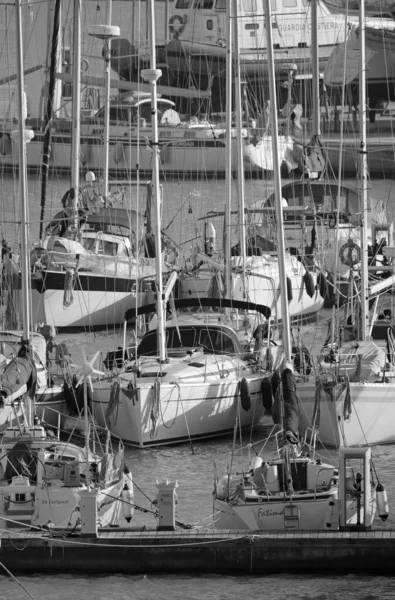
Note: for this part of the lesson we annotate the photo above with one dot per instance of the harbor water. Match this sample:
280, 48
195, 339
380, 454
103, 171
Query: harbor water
192, 465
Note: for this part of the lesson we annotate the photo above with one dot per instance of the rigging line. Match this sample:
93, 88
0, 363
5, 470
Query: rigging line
17, 581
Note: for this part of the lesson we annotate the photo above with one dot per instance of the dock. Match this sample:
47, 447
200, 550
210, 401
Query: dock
140, 551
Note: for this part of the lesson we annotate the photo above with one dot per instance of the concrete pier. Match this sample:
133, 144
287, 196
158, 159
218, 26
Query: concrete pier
143, 551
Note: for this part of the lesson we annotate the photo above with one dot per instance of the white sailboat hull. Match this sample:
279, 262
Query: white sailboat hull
193, 153
371, 421
179, 412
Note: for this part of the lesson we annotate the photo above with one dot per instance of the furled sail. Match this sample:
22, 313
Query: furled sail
285, 410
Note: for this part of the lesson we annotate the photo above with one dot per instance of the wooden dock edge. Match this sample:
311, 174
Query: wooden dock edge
125, 551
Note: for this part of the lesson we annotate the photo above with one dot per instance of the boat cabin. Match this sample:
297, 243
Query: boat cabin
204, 21
210, 338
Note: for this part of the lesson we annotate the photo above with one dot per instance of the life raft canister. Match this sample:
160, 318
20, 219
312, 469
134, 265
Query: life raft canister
245, 396
350, 253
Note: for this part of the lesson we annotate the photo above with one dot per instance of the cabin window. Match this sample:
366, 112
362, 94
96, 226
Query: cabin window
290, 3
273, 5
249, 6
220, 5
210, 25
183, 3
207, 4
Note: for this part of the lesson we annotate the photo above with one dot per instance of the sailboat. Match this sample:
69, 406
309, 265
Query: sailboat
88, 263
253, 261
295, 490
350, 397
190, 377
43, 480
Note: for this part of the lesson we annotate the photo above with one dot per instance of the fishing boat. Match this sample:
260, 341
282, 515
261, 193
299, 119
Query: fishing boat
294, 490
349, 397
44, 481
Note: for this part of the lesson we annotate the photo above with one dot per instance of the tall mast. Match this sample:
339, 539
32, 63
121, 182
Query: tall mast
228, 205
315, 69
239, 154
152, 75
364, 175
277, 185
22, 138
76, 110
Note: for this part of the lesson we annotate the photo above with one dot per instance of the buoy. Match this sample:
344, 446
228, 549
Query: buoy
308, 280
266, 392
289, 289
322, 285
127, 503
245, 396
382, 502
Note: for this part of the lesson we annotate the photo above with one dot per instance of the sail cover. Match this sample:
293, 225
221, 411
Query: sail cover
290, 406
343, 63
19, 372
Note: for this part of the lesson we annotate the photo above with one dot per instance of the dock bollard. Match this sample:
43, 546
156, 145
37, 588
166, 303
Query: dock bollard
167, 500
88, 507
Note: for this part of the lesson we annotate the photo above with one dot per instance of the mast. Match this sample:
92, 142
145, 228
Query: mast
106, 33
152, 75
76, 123
364, 174
23, 136
240, 165
49, 111
228, 205
277, 185
315, 69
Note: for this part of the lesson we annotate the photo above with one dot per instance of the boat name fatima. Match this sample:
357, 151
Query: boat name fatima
269, 513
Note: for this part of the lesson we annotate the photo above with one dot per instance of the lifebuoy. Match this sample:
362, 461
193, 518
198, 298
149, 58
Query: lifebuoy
350, 253
267, 394
308, 280
322, 285
245, 396
177, 25
84, 66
